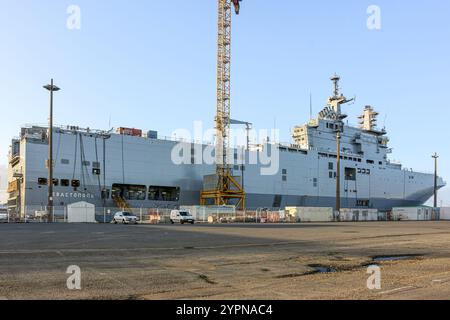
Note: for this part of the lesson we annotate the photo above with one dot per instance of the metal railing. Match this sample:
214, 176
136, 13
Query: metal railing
40, 214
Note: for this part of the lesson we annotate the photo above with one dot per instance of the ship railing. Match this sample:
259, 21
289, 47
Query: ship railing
184, 140
71, 129
333, 152
411, 170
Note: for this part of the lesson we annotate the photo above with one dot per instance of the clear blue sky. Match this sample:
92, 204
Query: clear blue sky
151, 64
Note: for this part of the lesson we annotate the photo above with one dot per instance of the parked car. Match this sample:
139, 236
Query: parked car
177, 216
125, 218
3, 217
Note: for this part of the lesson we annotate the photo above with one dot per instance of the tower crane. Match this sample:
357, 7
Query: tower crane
228, 190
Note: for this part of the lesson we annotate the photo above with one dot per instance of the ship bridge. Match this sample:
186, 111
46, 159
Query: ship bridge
365, 141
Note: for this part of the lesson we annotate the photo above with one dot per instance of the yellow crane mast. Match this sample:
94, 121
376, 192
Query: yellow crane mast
228, 190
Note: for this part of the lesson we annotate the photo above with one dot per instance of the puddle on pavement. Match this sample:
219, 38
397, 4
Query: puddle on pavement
322, 269
395, 258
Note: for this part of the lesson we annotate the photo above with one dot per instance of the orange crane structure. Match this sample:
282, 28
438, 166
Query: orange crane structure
227, 190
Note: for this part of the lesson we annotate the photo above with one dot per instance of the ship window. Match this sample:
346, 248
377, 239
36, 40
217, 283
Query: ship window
284, 178
330, 166
156, 193
96, 171
363, 203
192, 155
65, 182
284, 171
331, 175
129, 191
86, 163
105, 193
56, 182
75, 183
350, 174
359, 160
65, 161
380, 163
42, 181
96, 165
370, 162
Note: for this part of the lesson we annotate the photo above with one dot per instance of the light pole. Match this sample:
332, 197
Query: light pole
338, 172
52, 88
435, 157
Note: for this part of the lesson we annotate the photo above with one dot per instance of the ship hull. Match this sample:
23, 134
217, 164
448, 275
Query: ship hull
301, 177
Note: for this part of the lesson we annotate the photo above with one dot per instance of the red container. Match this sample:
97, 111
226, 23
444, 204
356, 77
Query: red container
130, 132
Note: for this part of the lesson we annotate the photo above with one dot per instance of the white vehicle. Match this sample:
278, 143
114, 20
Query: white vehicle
125, 218
3, 217
177, 216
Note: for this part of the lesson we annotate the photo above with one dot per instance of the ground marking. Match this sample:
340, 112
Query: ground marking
398, 289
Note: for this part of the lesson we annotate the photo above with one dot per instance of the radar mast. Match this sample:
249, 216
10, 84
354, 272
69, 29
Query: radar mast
337, 99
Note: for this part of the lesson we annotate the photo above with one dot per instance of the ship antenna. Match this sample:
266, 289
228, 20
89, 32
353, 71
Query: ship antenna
310, 105
335, 78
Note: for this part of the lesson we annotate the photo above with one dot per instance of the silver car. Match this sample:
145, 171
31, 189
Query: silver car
125, 218
3, 217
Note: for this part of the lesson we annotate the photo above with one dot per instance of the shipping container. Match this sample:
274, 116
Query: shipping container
358, 215
130, 132
445, 213
421, 213
383, 216
152, 134
211, 213
307, 214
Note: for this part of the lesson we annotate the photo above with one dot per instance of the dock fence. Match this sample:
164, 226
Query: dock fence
40, 214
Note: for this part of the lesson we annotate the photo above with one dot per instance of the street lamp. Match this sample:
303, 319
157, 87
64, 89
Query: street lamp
52, 88
338, 169
435, 157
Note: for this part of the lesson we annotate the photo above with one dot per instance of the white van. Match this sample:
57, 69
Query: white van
177, 216
3, 217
